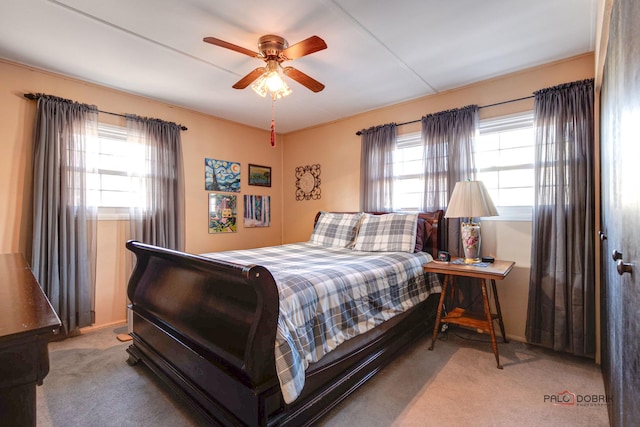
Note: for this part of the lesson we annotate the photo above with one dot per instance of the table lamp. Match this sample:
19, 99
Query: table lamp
470, 199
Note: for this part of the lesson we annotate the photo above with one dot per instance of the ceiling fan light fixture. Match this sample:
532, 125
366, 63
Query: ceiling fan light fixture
272, 82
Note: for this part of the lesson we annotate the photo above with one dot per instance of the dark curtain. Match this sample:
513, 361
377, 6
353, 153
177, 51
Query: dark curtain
160, 219
561, 309
448, 139
64, 226
376, 179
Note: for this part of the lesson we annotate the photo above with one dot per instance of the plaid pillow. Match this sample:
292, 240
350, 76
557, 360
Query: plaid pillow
336, 229
387, 233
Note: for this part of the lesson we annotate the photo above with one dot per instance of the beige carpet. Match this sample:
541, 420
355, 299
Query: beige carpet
458, 384
90, 384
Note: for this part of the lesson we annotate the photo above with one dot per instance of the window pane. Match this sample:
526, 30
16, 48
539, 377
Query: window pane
410, 185
93, 197
117, 164
486, 159
116, 182
519, 178
504, 160
517, 156
93, 181
490, 180
516, 196
113, 163
410, 167
504, 155
516, 138
114, 147
490, 141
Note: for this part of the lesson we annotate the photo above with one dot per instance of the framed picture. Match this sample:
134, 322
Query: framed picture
223, 213
221, 175
257, 211
260, 175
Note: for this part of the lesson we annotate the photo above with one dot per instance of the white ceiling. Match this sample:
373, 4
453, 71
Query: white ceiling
379, 52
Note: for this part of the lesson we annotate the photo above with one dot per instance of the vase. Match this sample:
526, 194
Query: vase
470, 232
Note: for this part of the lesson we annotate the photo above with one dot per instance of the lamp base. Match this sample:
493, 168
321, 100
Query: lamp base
470, 233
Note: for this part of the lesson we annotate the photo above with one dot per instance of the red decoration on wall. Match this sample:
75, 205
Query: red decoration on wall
273, 122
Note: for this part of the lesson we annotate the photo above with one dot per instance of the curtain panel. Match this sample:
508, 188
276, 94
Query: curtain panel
160, 219
561, 307
448, 139
376, 180
63, 255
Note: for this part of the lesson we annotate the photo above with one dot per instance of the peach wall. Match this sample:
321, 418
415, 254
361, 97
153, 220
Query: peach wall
336, 148
207, 137
333, 145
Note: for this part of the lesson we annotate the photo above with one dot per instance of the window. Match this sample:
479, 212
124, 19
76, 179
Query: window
115, 182
504, 155
408, 172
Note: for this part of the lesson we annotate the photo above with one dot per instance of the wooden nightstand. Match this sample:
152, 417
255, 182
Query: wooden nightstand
498, 270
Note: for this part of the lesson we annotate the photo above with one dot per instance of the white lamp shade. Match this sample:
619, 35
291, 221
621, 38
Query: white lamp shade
470, 199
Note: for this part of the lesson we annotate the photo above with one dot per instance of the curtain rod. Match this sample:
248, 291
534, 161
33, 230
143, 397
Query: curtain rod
34, 97
483, 106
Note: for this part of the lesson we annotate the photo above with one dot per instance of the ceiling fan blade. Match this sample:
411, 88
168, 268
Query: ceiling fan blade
249, 78
231, 46
305, 47
303, 79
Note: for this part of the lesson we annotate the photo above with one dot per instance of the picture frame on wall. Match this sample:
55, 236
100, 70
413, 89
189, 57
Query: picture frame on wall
221, 175
223, 213
257, 211
259, 175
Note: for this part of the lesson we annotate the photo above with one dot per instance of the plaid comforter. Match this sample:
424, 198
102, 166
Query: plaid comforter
328, 295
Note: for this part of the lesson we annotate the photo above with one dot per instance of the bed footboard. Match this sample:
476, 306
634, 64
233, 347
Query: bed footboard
207, 328
187, 308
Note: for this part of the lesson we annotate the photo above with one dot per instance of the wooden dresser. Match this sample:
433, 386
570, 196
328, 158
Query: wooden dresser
27, 322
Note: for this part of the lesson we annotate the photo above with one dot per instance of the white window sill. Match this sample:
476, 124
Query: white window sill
113, 214
512, 213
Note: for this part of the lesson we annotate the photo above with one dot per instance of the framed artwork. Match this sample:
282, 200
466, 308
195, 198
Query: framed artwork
221, 175
260, 175
257, 211
308, 182
223, 213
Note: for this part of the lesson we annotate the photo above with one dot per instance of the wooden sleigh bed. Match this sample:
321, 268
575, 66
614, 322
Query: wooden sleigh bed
207, 328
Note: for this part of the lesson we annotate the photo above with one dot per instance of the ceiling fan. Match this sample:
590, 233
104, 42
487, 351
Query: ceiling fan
274, 50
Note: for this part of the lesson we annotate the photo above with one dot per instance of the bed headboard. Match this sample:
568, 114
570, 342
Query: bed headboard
431, 236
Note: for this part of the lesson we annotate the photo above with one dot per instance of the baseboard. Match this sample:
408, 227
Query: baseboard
92, 328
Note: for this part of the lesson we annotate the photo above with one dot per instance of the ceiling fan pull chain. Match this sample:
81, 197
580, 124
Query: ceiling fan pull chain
273, 122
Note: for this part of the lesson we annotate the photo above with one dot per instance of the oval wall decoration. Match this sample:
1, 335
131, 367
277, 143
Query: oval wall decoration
308, 182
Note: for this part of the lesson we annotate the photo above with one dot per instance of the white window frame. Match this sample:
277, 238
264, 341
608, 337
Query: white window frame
407, 140
501, 124
497, 124
112, 132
